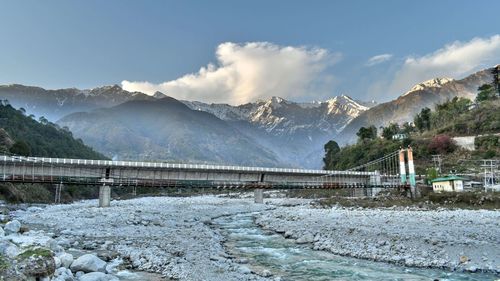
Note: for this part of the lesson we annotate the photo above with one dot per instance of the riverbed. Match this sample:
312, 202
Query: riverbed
269, 253
216, 238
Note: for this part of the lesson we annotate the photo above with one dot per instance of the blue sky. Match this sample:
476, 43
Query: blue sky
301, 50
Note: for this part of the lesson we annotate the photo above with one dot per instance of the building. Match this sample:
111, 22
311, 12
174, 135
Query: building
450, 183
399, 136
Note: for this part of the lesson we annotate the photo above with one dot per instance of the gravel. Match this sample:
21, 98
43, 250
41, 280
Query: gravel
464, 240
170, 236
174, 236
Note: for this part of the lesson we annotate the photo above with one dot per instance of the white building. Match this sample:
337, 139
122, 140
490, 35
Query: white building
450, 183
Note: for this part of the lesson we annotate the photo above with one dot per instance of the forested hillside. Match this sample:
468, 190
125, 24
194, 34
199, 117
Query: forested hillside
430, 133
22, 135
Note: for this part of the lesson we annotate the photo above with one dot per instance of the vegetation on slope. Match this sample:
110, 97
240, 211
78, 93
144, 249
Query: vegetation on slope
431, 133
22, 135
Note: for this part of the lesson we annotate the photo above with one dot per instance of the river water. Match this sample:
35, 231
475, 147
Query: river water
282, 257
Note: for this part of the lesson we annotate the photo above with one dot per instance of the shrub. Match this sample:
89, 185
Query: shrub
442, 144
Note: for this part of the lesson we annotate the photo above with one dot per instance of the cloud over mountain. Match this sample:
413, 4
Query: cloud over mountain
454, 60
251, 71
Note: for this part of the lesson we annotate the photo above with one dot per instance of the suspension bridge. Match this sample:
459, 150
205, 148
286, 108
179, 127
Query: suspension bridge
386, 172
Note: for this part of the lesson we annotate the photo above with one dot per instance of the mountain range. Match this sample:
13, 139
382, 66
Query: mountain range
272, 132
406, 106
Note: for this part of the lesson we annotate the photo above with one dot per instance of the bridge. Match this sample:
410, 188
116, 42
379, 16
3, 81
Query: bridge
382, 173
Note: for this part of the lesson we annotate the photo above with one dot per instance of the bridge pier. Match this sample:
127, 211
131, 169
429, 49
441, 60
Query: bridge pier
104, 196
258, 194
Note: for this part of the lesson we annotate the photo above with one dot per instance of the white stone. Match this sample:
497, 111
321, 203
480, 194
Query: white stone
112, 266
8, 249
63, 274
66, 259
12, 227
57, 262
97, 276
244, 270
88, 263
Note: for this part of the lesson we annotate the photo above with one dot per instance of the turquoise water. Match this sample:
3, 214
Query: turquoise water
284, 258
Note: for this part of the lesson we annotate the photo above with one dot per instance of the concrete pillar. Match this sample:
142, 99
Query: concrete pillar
104, 196
402, 168
411, 172
259, 195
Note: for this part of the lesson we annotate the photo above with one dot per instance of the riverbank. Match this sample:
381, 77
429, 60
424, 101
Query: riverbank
463, 240
176, 237
165, 235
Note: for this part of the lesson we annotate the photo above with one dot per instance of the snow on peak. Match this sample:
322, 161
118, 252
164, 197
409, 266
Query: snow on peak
344, 101
432, 83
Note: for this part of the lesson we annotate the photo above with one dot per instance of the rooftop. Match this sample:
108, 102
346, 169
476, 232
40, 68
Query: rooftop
448, 178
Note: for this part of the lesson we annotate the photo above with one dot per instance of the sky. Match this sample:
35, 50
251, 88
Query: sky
241, 51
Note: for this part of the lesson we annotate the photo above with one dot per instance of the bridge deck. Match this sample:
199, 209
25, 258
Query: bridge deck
160, 174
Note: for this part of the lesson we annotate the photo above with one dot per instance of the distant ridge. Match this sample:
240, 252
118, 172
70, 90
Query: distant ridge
406, 106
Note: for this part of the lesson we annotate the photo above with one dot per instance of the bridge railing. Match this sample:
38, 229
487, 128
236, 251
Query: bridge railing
161, 165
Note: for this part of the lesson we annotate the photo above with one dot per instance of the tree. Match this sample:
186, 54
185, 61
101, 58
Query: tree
496, 81
331, 150
43, 120
369, 133
423, 119
20, 148
390, 131
486, 92
408, 128
431, 173
23, 111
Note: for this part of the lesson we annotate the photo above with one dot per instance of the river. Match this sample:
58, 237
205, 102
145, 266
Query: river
283, 257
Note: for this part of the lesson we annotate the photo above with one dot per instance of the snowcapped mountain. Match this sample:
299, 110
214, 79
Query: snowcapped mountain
433, 83
279, 116
296, 132
285, 132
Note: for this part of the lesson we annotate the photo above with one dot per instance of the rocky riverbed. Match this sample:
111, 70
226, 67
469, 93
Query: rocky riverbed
464, 240
165, 235
175, 237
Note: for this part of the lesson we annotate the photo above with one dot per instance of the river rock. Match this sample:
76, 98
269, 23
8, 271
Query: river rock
2, 232
66, 259
57, 262
97, 276
63, 274
306, 238
244, 270
12, 227
89, 263
8, 249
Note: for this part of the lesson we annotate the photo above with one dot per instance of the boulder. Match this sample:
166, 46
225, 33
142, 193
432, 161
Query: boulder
244, 270
97, 276
12, 227
37, 266
66, 259
306, 238
8, 249
57, 262
63, 274
89, 263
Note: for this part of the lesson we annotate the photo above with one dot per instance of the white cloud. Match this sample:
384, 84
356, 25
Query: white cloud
378, 59
251, 71
454, 60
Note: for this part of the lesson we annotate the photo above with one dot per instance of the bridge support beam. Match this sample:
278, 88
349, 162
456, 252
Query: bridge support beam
411, 172
104, 196
258, 194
